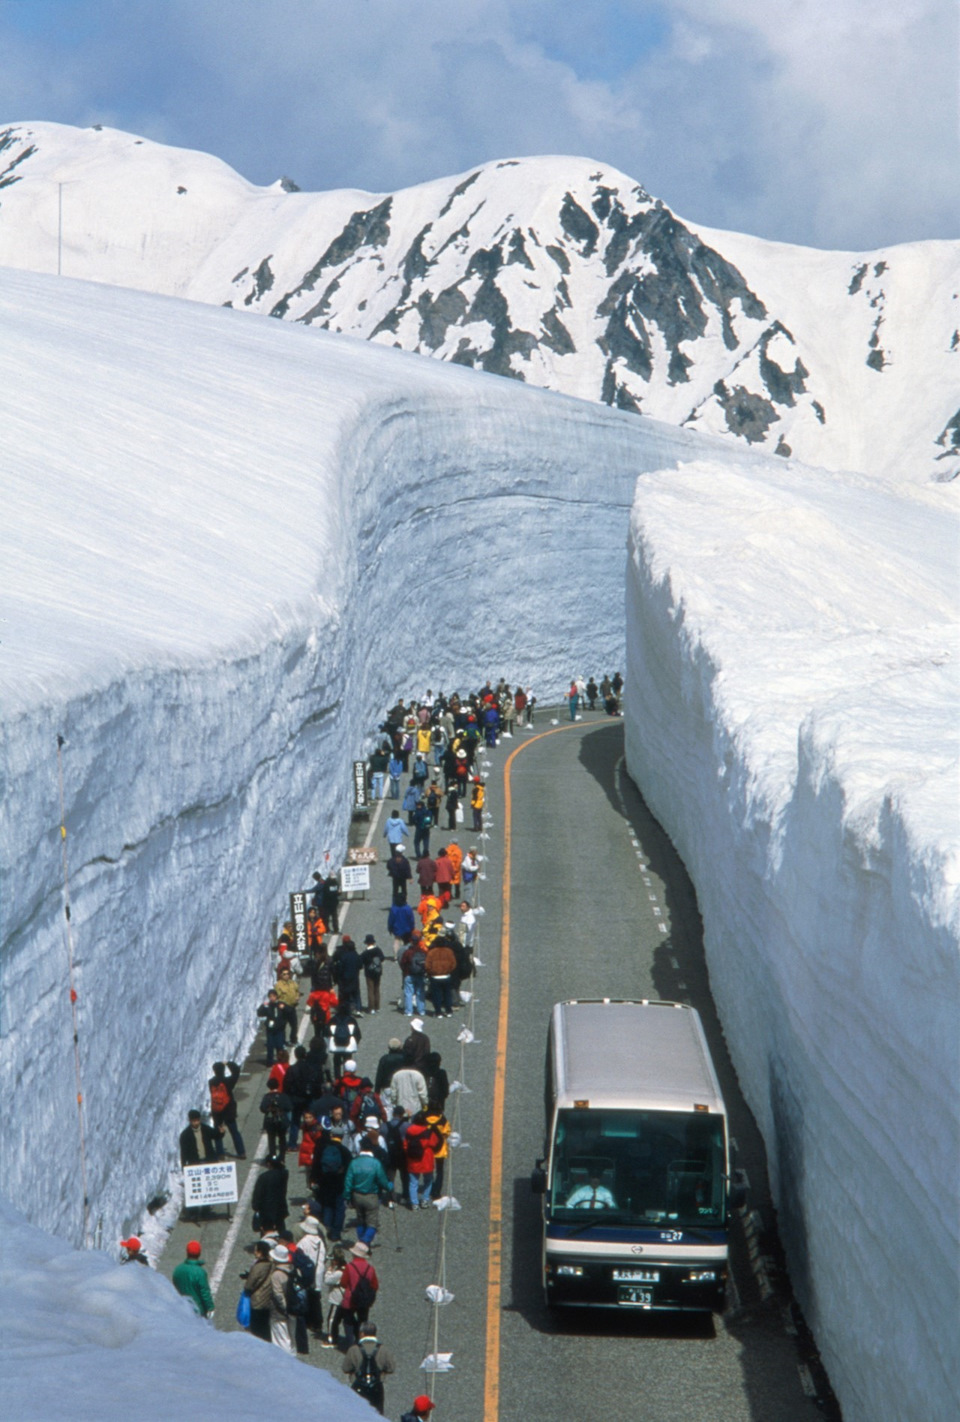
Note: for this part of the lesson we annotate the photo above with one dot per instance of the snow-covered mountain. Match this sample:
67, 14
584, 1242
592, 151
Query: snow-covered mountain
556, 271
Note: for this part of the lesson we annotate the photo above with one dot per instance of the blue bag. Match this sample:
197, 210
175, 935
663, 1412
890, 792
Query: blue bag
243, 1310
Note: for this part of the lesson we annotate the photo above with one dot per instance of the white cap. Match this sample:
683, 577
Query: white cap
369, 1121
416, 1023
350, 1065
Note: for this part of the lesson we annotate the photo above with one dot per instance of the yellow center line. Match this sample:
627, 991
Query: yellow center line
491, 1382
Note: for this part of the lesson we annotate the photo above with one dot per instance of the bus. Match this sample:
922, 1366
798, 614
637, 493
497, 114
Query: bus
635, 1180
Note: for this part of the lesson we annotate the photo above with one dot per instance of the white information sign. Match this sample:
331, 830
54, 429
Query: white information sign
355, 878
211, 1184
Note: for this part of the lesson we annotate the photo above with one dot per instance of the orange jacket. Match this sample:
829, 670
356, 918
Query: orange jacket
455, 855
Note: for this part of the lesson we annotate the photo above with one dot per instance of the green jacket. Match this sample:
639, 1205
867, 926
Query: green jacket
366, 1175
190, 1279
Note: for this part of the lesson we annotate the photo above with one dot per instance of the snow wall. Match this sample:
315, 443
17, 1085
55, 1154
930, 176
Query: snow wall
791, 703
84, 1337
229, 544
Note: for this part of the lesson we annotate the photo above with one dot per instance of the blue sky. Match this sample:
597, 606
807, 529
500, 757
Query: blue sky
829, 122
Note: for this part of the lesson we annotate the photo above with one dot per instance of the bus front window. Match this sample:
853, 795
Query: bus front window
638, 1167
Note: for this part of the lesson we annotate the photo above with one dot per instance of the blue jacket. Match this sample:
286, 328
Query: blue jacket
400, 920
396, 830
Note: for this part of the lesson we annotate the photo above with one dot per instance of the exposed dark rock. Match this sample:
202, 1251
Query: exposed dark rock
679, 365
820, 412
949, 437
880, 268
262, 281
560, 257
8, 138
322, 307
625, 337
782, 384
485, 262
370, 228
556, 335
875, 360
438, 313
783, 448
856, 281
240, 275
518, 252
563, 294
460, 188
579, 226
289, 186
746, 414
181, 190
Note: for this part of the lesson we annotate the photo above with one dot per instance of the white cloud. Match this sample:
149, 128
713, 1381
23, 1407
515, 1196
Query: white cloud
830, 121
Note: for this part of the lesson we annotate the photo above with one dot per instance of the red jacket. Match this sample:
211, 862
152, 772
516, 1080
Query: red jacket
430, 1141
306, 1146
348, 1280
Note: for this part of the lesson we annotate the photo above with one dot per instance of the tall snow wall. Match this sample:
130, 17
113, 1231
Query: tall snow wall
791, 700
228, 544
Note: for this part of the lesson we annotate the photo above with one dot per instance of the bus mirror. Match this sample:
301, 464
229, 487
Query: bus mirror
538, 1179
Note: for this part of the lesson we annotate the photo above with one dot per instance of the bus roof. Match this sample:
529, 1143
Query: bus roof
645, 1055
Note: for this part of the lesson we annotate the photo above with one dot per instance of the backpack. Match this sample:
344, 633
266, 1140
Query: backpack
367, 1380
418, 961
275, 1112
414, 1147
305, 1269
331, 1160
219, 1097
295, 1295
365, 1104
363, 1295
342, 1033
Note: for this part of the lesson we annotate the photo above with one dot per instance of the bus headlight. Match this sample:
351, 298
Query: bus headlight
701, 1276
572, 1271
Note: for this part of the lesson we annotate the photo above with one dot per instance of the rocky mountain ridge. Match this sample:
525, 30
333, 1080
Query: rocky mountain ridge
556, 271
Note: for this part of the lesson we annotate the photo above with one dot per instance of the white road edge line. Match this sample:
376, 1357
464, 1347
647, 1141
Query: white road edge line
243, 1204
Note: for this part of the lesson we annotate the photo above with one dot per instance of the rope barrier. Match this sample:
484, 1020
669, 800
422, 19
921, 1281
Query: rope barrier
68, 930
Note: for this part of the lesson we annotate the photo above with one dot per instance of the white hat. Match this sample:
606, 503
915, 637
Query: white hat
360, 1249
280, 1254
416, 1023
350, 1065
369, 1121
308, 1225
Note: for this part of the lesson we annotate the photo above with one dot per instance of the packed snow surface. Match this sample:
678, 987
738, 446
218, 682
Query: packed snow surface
554, 270
792, 695
84, 1337
229, 542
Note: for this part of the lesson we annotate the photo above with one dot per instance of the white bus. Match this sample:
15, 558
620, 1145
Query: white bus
636, 1180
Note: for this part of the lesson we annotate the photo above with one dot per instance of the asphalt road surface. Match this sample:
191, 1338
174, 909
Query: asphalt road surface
593, 902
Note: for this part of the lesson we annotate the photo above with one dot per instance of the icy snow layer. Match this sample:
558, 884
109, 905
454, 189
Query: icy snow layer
83, 1337
553, 270
792, 721
228, 543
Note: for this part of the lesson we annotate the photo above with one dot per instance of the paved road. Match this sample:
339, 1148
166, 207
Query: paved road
599, 906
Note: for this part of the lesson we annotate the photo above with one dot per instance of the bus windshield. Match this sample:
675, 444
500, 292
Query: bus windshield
638, 1167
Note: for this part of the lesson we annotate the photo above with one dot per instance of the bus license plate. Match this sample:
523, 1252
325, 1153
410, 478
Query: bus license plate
633, 1297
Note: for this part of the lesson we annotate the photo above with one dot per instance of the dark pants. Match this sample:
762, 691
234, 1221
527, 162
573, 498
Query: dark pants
260, 1323
421, 843
441, 995
274, 1042
231, 1124
373, 994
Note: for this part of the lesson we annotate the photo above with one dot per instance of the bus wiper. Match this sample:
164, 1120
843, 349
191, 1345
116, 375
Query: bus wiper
600, 1217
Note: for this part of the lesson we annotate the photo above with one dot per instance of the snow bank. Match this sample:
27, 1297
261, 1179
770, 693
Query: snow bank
84, 1337
229, 544
792, 694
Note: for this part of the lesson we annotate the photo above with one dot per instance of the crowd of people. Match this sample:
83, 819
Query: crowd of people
379, 1140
